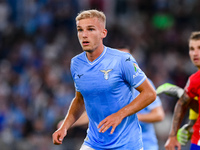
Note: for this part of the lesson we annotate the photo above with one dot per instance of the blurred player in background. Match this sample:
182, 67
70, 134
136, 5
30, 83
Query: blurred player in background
192, 90
103, 79
185, 132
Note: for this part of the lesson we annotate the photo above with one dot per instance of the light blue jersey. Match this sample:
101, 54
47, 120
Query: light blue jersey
106, 88
148, 133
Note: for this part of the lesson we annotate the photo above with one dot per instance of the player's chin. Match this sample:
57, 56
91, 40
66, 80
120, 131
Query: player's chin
87, 49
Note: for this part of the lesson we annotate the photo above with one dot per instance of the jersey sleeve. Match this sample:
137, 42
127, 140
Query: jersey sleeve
190, 88
73, 70
131, 71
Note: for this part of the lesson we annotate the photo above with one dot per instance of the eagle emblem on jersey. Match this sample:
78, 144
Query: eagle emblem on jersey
106, 73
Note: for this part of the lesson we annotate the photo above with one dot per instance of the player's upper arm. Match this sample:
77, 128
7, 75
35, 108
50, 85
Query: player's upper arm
147, 88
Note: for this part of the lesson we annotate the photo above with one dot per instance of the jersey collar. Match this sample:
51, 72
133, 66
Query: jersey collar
96, 60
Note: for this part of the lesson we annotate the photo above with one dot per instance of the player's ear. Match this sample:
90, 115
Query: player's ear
104, 33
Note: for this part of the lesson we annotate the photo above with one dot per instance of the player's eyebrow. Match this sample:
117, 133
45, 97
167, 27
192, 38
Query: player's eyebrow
89, 26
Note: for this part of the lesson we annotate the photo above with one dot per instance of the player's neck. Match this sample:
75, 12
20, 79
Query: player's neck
95, 53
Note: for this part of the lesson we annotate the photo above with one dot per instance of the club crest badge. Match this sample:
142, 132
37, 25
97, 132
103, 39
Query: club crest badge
106, 75
135, 66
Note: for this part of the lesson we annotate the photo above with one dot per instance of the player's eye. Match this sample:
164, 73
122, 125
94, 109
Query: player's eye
91, 29
191, 48
79, 30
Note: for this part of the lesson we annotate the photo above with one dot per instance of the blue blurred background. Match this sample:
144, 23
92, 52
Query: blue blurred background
38, 39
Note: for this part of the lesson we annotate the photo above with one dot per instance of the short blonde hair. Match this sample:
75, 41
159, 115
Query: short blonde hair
91, 14
195, 35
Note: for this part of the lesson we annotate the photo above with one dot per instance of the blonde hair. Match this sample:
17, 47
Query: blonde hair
195, 35
91, 14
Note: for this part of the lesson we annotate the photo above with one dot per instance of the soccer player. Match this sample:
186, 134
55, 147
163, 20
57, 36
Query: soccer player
185, 132
103, 80
192, 89
147, 116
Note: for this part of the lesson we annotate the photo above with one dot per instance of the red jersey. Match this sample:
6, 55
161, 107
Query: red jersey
192, 88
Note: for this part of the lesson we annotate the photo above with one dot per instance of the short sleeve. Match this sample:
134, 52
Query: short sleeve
190, 90
131, 71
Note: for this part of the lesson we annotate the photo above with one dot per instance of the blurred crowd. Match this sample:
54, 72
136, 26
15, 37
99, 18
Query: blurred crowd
38, 39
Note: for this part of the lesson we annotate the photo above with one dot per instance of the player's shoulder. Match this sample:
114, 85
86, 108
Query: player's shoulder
195, 76
78, 57
78, 60
117, 53
193, 81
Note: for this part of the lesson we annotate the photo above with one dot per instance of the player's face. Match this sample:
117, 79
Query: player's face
90, 33
194, 52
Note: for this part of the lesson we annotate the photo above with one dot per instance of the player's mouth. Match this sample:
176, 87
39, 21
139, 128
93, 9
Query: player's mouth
196, 59
85, 43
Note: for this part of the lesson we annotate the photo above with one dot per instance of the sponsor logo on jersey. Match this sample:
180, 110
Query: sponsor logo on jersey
135, 75
79, 75
128, 59
106, 75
